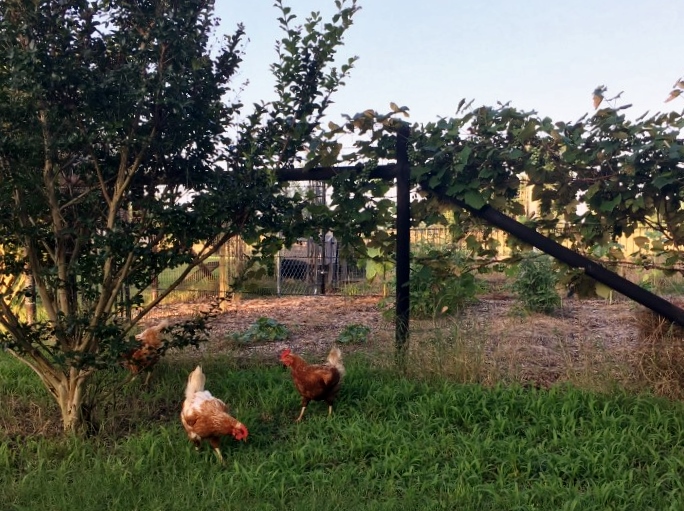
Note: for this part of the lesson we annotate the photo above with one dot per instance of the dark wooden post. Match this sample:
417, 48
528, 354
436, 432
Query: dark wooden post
127, 298
403, 226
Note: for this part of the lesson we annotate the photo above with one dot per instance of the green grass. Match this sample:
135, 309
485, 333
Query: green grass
392, 443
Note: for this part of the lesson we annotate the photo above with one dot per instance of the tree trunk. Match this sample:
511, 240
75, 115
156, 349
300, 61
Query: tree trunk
69, 395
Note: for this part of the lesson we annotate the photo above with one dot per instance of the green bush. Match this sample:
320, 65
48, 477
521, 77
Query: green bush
535, 284
442, 281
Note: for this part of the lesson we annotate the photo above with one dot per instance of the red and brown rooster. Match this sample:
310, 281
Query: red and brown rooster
319, 382
205, 417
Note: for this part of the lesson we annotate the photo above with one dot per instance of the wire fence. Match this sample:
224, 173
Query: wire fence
310, 268
314, 268
306, 268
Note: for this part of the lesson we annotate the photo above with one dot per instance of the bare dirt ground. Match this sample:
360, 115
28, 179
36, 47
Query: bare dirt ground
584, 336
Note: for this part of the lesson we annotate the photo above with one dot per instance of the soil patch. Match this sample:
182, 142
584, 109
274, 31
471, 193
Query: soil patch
533, 347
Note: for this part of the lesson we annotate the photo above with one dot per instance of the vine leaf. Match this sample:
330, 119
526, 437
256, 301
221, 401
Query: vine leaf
474, 199
603, 291
640, 241
674, 94
597, 95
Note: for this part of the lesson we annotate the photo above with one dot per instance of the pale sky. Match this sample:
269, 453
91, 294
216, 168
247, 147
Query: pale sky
546, 56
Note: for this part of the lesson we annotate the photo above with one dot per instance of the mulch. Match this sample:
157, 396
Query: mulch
536, 347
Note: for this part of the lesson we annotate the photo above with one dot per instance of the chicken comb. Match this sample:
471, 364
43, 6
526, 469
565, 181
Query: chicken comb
285, 352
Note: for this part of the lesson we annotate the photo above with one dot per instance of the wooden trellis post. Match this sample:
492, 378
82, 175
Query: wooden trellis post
403, 227
401, 171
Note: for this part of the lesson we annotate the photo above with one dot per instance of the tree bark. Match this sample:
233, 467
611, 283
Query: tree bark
69, 395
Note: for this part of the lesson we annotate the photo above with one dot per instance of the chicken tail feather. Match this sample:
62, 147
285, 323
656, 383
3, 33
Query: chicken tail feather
153, 330
195, 384
335, 359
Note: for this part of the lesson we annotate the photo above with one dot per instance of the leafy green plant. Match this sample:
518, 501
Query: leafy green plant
442, 281
354, 334
359, 289
263, 330
535, 284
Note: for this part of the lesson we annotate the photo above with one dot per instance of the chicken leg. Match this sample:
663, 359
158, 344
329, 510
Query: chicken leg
216, 444
301, 414
146, 383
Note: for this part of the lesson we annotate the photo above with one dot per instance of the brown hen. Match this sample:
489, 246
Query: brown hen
149, 352
205, 417
319, 382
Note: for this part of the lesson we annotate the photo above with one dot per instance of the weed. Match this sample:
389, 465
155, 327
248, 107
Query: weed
535, 284
442, 281
354, 334
455, 352
263, 330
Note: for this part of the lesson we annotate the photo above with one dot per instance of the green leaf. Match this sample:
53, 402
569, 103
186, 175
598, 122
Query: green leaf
603, 291
608, 206
616, 253
663, 180
640, 241
527, 132
474, 199
657, 246
464, 155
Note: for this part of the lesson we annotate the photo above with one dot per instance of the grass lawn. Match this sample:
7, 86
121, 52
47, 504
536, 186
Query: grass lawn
392, 443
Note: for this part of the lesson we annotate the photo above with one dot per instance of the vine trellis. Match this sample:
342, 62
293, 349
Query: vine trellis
401, 172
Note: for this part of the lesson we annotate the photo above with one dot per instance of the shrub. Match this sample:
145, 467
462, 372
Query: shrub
535, 284
442, 281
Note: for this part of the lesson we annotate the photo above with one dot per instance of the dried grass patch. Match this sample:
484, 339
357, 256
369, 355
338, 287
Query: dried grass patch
22, 417
659, 358
590, 343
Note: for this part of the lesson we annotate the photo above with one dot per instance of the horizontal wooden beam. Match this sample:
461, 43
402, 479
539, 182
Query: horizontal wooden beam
326, 173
